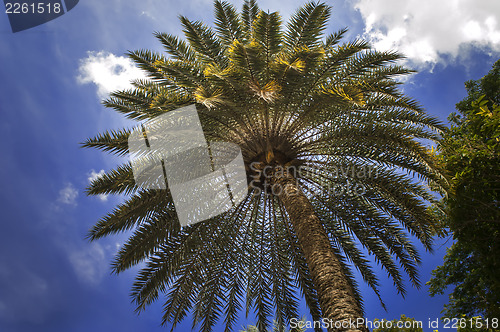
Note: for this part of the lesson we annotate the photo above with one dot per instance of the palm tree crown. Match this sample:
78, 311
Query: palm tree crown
290, 97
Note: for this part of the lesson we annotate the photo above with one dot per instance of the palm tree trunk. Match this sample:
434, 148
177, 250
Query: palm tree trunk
335, 293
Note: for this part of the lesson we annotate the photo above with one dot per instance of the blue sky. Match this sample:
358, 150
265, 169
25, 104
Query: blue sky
52, 80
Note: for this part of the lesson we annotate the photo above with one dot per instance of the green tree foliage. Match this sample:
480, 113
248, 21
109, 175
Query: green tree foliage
470, 151
289, 96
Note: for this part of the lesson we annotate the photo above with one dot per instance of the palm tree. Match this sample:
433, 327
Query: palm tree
331, 147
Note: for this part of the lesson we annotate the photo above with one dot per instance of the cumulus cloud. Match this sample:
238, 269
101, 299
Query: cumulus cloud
93, 175
424, 30
68, 195
108, 72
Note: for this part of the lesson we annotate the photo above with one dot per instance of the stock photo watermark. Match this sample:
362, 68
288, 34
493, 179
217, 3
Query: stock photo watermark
206, 179
431, 323
27, 14
326, 323
339, 181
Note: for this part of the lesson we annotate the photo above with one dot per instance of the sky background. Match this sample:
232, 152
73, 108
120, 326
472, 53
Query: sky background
53, 78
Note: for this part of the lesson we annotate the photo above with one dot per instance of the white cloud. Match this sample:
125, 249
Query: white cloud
90, 265
108, 71
93, 175
91, 262
423, 30
68, 195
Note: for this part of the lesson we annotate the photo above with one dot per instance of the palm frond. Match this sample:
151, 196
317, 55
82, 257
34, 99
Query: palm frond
227, 21
248, 14
307, 25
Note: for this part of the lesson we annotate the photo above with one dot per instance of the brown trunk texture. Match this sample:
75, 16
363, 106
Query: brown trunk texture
335, 294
